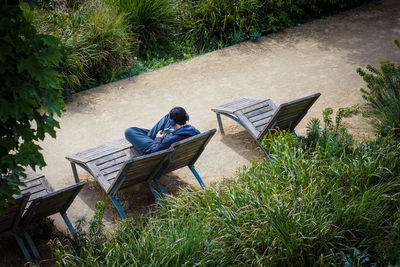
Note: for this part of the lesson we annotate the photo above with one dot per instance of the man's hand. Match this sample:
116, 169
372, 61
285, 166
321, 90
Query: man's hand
160, 134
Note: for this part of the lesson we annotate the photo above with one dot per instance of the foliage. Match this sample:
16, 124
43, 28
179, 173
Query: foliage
306, 209
213, 24
150, 20
95, 233
96, 39
383, 96
29, 100
333, 135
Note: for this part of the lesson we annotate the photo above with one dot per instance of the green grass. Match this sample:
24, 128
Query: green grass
308, 208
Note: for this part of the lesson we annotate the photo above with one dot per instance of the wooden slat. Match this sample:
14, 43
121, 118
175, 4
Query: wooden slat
259, 111
259, 128
110, 157
142, 170
98, 176
254, 107
253, 131
291, 117
100, 151
34, 189
263, 116
31, 175
261, 122
187, 152
31, 183
114, 168
233, 106
297, 108
113, 174
87, 155
38, 195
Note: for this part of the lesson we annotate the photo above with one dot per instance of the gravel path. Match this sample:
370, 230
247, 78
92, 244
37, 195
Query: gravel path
321, 56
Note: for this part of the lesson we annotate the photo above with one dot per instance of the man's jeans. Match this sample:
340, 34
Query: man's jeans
142, 139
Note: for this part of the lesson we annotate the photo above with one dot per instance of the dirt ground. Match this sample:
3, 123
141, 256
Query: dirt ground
321, 56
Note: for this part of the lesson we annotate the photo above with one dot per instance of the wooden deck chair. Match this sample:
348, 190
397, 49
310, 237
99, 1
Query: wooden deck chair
260, 115
116, 165
44, 201
10, 220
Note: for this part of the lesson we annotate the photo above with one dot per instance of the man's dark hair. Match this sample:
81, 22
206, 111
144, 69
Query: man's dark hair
178, 114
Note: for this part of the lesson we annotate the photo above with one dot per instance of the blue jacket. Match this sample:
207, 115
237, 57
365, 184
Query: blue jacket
166, 141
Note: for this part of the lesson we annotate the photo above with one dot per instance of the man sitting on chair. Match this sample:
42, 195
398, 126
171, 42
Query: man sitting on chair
170, 129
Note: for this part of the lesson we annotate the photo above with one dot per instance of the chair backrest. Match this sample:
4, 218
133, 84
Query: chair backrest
55, 202
187, 151
289, 114
12, 214
138, 170
180, 154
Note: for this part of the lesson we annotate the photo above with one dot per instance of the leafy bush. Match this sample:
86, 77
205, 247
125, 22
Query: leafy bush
333, 135
306, 209
383, 96
213, 24
150, 20
96, 40
30, 97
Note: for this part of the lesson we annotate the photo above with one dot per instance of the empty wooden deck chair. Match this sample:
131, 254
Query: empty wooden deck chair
44, 201
116, 165
10, 220
260, 115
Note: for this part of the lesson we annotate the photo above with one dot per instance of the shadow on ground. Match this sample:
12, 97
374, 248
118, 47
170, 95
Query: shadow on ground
136, 201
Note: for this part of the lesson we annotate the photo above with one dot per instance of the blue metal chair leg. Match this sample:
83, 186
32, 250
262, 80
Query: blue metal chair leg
118, 206
157, 181
265, 151
31, 244
221, 129
197, 176
23, 247
69, 224
156, 195
295, 134
75, 172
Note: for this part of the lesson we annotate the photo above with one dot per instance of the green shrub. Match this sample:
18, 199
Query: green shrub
213, 24
96, 40
150, 20
333, 135
383, 97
